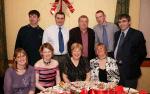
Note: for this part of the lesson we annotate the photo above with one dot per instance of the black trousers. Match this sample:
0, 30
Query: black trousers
129, 83
61, 60
132, 83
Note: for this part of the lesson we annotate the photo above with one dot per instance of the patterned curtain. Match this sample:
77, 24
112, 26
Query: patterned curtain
3, 48
121, 7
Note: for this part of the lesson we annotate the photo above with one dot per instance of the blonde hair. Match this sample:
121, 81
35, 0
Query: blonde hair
76, 45
101, 45
18, 51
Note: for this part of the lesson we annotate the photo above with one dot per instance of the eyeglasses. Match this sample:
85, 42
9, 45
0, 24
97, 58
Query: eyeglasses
122, 21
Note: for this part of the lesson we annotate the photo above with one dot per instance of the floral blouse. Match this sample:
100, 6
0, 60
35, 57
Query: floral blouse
111, 69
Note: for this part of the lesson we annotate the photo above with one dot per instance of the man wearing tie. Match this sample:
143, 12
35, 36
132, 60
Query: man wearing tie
58, 36
104, 32
130, 51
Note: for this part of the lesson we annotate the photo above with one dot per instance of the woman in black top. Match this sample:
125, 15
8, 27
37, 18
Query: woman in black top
77, 68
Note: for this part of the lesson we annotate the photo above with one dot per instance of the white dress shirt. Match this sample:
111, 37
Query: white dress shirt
50, 35
125, 33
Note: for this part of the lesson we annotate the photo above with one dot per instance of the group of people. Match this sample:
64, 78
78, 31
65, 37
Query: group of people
43, 58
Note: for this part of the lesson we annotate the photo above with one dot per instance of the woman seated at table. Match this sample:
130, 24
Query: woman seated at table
20, 77
104, 68
77, 68
47, 72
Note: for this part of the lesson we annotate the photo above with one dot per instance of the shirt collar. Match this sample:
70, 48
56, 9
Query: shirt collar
125, 31
60, 26
104, 24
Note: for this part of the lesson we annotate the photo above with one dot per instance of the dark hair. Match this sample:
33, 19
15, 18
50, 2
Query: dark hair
126, 16
48, 46
61, 13
83, 16
34, 12
100, 11
18, 51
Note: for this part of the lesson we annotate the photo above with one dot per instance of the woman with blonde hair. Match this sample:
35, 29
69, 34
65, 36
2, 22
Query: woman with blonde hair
104, 68
20, 77
77, 68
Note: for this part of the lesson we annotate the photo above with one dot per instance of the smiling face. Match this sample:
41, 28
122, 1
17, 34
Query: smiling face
123, 24
59, 19
76, 53
46, 54
21, 59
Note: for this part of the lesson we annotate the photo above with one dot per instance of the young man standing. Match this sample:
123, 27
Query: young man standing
104, 32
30, 37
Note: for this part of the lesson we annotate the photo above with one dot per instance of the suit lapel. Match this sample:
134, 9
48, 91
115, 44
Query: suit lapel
89, 38
117, 38
79, 34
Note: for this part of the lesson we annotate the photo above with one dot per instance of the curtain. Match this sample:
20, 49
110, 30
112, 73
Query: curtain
3, 48
122, 6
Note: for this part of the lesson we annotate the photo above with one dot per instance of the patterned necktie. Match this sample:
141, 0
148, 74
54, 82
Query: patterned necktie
119, 45
105, 37
61, 41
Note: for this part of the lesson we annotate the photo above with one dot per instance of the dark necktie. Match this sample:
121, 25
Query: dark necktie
119, 46
61, 41
105, 37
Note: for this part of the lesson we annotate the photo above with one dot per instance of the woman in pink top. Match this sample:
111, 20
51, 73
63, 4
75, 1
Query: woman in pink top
47, 72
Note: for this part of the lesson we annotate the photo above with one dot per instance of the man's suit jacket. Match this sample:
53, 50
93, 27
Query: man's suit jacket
133, 52
75, 36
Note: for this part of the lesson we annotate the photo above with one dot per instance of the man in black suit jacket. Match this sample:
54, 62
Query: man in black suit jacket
84, 36
130, 51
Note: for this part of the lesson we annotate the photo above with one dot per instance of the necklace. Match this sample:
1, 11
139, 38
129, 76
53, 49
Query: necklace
47, 63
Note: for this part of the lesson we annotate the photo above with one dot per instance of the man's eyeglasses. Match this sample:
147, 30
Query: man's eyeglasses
122, 21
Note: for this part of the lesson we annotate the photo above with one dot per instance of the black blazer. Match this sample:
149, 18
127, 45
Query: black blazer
133, 52
75, 36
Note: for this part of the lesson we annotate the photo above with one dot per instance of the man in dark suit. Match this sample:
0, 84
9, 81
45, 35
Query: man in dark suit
130, 51
84, 36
